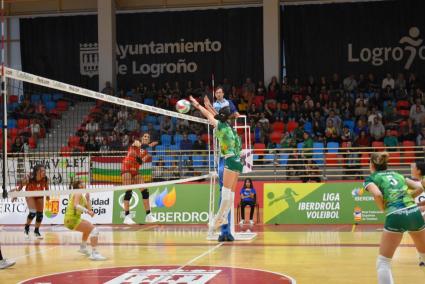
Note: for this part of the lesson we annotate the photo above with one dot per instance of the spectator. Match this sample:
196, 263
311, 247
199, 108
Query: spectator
114, 142
104, 147
331, 133
35, 128
350, 83
166, 126
248, 86
92, 127
377, 130
120, 126
311, 173
152, 132
420, 139
347, 135
390, 113
122, 114
18, 146
108, 89
417, 112
363, 140
400, 82
253, 113
185, 143
361, 126
390, 140
307, 146
351, 161
407, 134
125, 141
360, 109
388, 81
248, 198
199, 145
182, 125
132, 125
91, 145
107, 123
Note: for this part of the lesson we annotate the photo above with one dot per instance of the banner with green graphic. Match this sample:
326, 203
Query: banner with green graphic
171, 204
319, 203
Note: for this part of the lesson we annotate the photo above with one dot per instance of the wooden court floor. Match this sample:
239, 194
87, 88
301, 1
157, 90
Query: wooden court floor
308, 254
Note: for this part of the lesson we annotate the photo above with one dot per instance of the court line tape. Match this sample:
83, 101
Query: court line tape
33, 253
188, 263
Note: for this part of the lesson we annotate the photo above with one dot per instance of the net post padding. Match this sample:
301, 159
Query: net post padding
13, 194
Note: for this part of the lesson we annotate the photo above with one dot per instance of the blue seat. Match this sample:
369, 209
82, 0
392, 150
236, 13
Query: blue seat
192, 137
283, 159
57, 97
35, 99
318, 153
50, 105
198, 161
151, 119
144, 128
308, 127
177, 139
157, 127
168, 160
269, 158
174, 148
149, 101
300, 146
333, 147
160, 149
12, 123
166, 139
46, 98
12, 106
350, 124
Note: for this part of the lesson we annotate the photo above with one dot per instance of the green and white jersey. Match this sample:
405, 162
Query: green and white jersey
394, 190
230, 143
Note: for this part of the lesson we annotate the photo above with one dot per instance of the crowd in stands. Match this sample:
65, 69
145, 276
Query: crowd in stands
356, 110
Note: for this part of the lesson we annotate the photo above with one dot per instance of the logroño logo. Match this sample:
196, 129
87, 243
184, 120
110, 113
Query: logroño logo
411, 47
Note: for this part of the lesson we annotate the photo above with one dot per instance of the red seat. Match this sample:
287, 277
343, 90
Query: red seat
291, 126
13, 99
344, 145
275, 136
66, 151
259, 148
331, 159
258, 100
22, 123
403, 105
13, 133
408, 151
204, 137
62, 106
278, 126
378, 146
74, 141
394, 159
42, 132
32, 142
404, 112
271, 105
364, 160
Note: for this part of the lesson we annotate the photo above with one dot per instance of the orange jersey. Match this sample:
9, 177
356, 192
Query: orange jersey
33, 185
130, 164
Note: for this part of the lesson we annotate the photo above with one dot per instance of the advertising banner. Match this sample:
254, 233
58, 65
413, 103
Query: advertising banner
319, 203
171, 204
54, 210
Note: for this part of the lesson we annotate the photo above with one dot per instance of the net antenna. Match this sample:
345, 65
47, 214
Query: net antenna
4, 97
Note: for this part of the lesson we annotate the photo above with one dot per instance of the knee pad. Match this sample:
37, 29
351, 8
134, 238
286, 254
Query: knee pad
145, 194
94, 233
39, 217
31, 215
127, 195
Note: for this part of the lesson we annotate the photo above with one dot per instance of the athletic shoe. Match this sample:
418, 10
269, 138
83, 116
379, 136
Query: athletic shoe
218, 221
5, 263
128, 220
150, 218
242, 222
38, 236
229, 238
422, 264
251, 222
96, 256
27, 236
221, 238
84, 251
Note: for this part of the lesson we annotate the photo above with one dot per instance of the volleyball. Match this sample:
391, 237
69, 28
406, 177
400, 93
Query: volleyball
183, 106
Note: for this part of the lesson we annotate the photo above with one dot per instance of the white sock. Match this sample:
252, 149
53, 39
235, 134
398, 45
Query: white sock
226, 200
83, 245
383, 267
421, 257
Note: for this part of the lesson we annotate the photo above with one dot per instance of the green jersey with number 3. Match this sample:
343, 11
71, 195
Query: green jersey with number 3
394, 190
